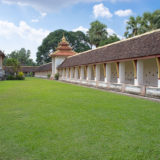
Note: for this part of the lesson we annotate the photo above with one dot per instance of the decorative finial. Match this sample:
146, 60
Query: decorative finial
63, 38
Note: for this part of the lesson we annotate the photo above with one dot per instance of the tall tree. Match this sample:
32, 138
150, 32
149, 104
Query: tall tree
22, 56
14, 63
77, 40
133, 25
97, 33
110, 39
141, 24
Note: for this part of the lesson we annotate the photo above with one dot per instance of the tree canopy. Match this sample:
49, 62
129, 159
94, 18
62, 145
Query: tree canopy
22, 56
77, 40
14, 63
110, 39
141, 24
97, 33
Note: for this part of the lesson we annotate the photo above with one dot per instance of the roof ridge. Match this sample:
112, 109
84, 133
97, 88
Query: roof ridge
123, 40
44, 64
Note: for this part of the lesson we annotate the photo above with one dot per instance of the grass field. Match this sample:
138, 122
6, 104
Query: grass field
48, 120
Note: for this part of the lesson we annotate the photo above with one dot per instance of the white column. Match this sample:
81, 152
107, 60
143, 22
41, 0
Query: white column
97, 76
82, 73
67, 73
53, 67
158, 83
139, 72
71, 72
76, 73
108, 73
89, 72
121, 72
0, 62
158, 67
63, 73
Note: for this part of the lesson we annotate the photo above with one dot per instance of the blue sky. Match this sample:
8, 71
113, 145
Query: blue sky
24, 23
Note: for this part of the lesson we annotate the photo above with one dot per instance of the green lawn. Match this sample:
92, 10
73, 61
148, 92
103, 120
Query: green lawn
48, 120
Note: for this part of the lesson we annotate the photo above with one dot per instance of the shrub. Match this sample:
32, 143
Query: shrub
20, 76
30, 74
56, 76
48, 75
10, 77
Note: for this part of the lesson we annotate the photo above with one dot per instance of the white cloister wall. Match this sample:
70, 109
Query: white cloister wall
92, 73
56, 61
129, 73
101, 72
150, 72
82, 73
145, 72
139, 72
97, 72
108, 73
122, 72
113, 73
42, 74
89, 74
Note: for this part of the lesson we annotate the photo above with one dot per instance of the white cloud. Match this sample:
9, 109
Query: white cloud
80, 28
43, 14
35, 20
53, 5
123, 13
14, 37
111, 32
100, 10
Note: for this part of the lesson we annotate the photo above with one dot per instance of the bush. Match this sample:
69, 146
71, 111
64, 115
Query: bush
10, 77
30, 74
56, 76
20, 76
48, 75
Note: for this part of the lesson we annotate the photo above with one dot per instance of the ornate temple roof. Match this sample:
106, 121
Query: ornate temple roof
63, 49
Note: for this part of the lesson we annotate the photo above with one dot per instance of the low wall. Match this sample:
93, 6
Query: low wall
42, 74
127, 88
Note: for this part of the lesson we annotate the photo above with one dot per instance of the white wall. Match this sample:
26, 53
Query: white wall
150, 72
101, 72
113, 73
129, 73
56, 61
92, 73
42, 74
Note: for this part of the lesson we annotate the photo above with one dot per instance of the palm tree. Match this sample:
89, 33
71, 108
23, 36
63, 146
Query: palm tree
149, 21
133, 26
97, 33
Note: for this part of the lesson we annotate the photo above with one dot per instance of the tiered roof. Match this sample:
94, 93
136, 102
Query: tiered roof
63, 49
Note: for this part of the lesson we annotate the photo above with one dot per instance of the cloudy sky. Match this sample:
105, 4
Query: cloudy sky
24, 23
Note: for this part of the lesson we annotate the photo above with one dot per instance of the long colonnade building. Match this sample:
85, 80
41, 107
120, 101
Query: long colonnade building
131, 65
